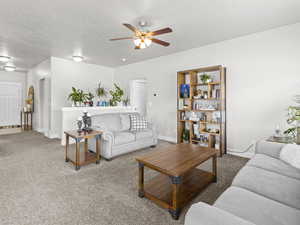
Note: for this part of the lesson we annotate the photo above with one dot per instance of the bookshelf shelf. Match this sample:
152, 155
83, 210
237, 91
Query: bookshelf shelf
209, 95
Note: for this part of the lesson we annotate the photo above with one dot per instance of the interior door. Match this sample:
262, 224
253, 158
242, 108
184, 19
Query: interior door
10, 103
138, 95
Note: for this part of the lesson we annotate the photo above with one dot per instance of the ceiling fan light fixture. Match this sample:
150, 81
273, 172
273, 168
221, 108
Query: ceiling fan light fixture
137, 41
4, 58
9, 68
143, 45
147, 41
77, 58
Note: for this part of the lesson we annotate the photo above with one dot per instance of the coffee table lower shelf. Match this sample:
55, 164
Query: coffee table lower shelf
160, 189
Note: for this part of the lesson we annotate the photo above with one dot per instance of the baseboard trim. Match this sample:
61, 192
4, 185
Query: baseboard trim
52, 135
166, 138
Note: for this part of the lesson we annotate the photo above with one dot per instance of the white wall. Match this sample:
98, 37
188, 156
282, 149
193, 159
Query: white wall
17, 77
34, 75
67, 74
262, 76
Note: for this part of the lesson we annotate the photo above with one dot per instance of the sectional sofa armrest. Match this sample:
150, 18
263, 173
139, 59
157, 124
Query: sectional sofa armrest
107, 135
204, 214
268, 148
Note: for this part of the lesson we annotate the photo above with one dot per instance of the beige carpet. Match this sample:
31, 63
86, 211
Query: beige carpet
37, 187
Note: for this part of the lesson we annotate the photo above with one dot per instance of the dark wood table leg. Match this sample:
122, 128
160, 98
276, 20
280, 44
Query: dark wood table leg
98, 149
85, 148
67, 146
214, 165
21, 120
31, 121
141, 180
77, 163
175, 210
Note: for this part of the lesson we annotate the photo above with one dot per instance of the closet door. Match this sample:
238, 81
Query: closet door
10, 103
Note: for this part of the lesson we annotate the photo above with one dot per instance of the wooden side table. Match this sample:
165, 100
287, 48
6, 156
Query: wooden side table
26, 120
89, 157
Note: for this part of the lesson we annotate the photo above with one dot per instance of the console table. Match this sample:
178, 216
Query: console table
26, 120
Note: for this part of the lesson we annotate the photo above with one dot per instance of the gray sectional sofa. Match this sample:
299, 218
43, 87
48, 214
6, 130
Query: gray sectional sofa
117, 139
265, 192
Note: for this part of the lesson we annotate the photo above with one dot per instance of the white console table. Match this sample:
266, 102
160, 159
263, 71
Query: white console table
71, 114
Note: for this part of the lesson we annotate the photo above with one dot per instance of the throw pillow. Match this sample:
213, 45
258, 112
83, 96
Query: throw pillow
125, 122
290, 154
137, 123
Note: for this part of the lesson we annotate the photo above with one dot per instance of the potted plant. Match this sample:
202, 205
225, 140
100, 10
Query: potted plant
186, 136
100, 92
116, 95
77, 96
90, 98
74, 97
294, 120
205, 78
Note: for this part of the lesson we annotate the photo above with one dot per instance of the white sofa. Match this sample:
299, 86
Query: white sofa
117, 138
265, 192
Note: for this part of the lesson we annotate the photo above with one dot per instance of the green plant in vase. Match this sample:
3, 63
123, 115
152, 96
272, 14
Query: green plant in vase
186, 135
205, 78
100, 91
74, 96
294, 121
116, 95
90, 98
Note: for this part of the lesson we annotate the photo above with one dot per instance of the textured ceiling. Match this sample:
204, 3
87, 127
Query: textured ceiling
31, 30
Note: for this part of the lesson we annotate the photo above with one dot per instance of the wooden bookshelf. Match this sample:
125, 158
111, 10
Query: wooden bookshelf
209, 106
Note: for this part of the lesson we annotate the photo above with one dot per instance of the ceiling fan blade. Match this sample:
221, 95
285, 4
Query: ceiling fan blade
160, 42
161, 31
117, 39
137, 47
130, 27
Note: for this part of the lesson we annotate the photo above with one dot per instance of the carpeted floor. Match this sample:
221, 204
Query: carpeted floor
37, 187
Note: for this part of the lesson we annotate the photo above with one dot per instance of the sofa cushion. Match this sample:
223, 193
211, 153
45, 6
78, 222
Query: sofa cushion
110, 122
137, 122
125, 122
256, 208
123, 137
204, 214
144, 134
269, 184
274, 165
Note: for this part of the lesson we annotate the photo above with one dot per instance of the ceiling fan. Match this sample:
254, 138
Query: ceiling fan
143, 39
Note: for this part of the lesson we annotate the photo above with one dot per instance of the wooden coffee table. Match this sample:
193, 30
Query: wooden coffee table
179, 180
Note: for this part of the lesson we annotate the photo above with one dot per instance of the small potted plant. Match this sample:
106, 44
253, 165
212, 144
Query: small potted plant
101, 93
77, 96
116, 96
186, 136
205, 78
74, 97
90, 98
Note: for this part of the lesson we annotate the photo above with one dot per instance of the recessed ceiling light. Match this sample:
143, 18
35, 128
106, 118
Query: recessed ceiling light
9, 68
123, 59
4, 58
77, 58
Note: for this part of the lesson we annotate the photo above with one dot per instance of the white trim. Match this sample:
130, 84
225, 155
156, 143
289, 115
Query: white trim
166, 138
52, 135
